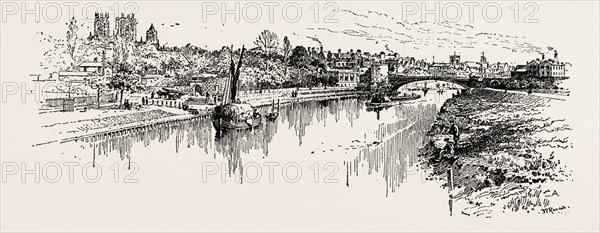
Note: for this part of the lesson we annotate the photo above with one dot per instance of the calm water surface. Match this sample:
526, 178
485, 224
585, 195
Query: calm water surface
330, 141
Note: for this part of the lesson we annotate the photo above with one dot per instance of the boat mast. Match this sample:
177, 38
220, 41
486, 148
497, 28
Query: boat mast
235, 71
230, 88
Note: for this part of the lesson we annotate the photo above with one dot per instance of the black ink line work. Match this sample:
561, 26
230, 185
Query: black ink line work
481, 127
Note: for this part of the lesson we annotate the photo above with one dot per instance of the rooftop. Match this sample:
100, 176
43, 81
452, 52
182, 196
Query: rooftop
73, 73
91, 64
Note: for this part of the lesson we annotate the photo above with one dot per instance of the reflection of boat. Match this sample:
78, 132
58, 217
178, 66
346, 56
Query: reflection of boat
235, 116
377, 108
381, 105
406, 97
272, 115
232, 114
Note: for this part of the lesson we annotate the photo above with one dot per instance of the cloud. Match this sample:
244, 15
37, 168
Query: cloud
375, 26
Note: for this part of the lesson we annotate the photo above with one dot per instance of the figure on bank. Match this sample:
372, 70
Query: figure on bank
455, 133
447, 151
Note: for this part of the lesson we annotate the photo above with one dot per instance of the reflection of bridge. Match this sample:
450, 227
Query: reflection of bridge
398, 81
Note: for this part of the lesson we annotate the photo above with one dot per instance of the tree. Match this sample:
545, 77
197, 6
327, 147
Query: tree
123, 79
301, 61
267, 41
99, 88
299, 57
332, 80
69, 87
287, 49
72, 39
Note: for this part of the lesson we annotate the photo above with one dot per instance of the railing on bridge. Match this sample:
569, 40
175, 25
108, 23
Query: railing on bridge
398, 81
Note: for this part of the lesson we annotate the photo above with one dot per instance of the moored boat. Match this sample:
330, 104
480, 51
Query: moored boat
406, 97
236, 116
231, 113
380, 100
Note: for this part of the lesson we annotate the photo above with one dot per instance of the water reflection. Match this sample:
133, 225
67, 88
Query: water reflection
385, 142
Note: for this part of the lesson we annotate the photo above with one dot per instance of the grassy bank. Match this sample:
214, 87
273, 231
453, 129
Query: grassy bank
506, 153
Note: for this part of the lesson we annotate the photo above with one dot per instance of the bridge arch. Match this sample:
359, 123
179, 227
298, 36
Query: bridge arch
453, 83
495, 83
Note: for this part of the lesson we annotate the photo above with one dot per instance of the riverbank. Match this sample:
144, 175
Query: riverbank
507, 153
60, 127
285, 96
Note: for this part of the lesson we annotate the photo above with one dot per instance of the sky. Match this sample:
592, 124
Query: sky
505, 31
410, 28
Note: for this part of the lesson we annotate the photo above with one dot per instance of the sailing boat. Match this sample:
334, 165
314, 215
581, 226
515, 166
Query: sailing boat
272, 115
231, 113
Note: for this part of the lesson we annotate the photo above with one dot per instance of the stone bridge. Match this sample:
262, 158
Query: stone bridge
399, 81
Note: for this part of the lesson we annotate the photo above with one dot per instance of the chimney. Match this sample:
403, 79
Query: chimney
339, 51
321, 48
542, 56
555, 55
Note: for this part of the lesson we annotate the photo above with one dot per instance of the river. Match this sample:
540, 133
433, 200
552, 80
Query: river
330, 141
319, 164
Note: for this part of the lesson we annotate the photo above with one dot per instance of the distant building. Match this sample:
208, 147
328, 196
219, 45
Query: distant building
89, 71
101, 26
454, 68
96, 68
208, 83
442, 69
318, 55
472, 68
519, 71
484, 66
152, 36
75, 76
91, 67
393, 64
346, 77
546, 67
150, 80
455, 60
500, 69
405, 63
126, 27
379, 73
346, 60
